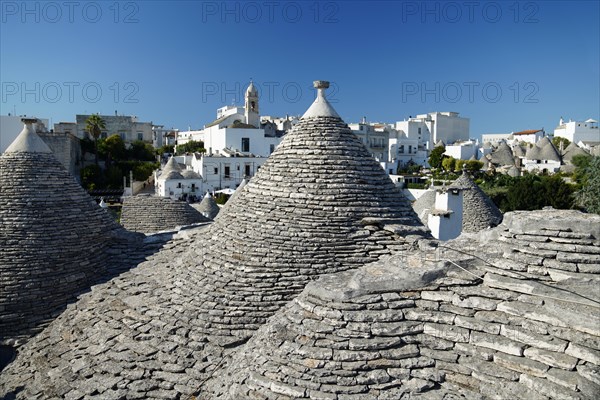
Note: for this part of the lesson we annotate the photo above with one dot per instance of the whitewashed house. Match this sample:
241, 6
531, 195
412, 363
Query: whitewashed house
578, 131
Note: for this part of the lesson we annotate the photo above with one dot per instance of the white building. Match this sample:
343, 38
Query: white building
445, 220
542, 157
426, 130
163, 137
177, 182
11, 126
531, 136
375, 136
464, 150
496, 138
238, 131
576, 131
128, 127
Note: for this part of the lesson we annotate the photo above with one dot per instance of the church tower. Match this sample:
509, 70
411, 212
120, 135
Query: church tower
251, 106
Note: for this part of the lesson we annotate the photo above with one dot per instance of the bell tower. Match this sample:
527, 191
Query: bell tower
251, 105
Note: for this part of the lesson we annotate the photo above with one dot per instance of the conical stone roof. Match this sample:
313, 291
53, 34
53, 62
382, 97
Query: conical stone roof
573, 150
424, 204
319, 204
54, 238
548, 151
479, 211
503, 155
418, 327
147, 214
208, 207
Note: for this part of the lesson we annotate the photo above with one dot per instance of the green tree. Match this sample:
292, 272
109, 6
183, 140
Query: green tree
448, 163
557, 140
141, 151
436, 156
192, 146
533, 192
91, 177
166, 149
112, 148
474, 165
588, 196
94, 125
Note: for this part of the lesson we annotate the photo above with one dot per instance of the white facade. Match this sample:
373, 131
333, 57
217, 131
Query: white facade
463, 150
375, 137
237, 131
531, 136
11, 126
539, 166
128, 127
163, 137
220, 172
577, 131
495, 138
445, 220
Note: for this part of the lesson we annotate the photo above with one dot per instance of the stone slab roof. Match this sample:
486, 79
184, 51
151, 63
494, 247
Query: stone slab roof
502, 155
519, 320
147, 214
319, 204
479, 211
208, 207
55, 241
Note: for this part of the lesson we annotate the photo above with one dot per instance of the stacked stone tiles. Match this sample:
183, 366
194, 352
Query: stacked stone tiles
208, 207
502, 155
479, 211
424, 204
298, 218
523, 325
320, 204
54, 239
146, 214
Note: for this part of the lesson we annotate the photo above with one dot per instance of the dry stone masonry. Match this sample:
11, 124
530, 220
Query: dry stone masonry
54, 239
147, 214
519, 321
320, 204
208, 207
479, 211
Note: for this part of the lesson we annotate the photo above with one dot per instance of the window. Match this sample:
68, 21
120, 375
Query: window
227, 172
245, 144
401, 149
216, 171
140, 135
419, 131
247, 169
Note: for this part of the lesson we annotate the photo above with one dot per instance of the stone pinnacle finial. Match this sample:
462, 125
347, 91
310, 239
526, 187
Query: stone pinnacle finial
28, 141
320, 107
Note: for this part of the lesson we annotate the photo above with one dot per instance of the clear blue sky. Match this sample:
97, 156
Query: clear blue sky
506, 65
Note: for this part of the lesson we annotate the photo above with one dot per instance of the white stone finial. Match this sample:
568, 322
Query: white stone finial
320, 107
28, 141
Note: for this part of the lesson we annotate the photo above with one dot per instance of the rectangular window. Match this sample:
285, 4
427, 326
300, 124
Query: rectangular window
227, 172
247, 169
245, 144
140, 135
216, 171
419, 131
